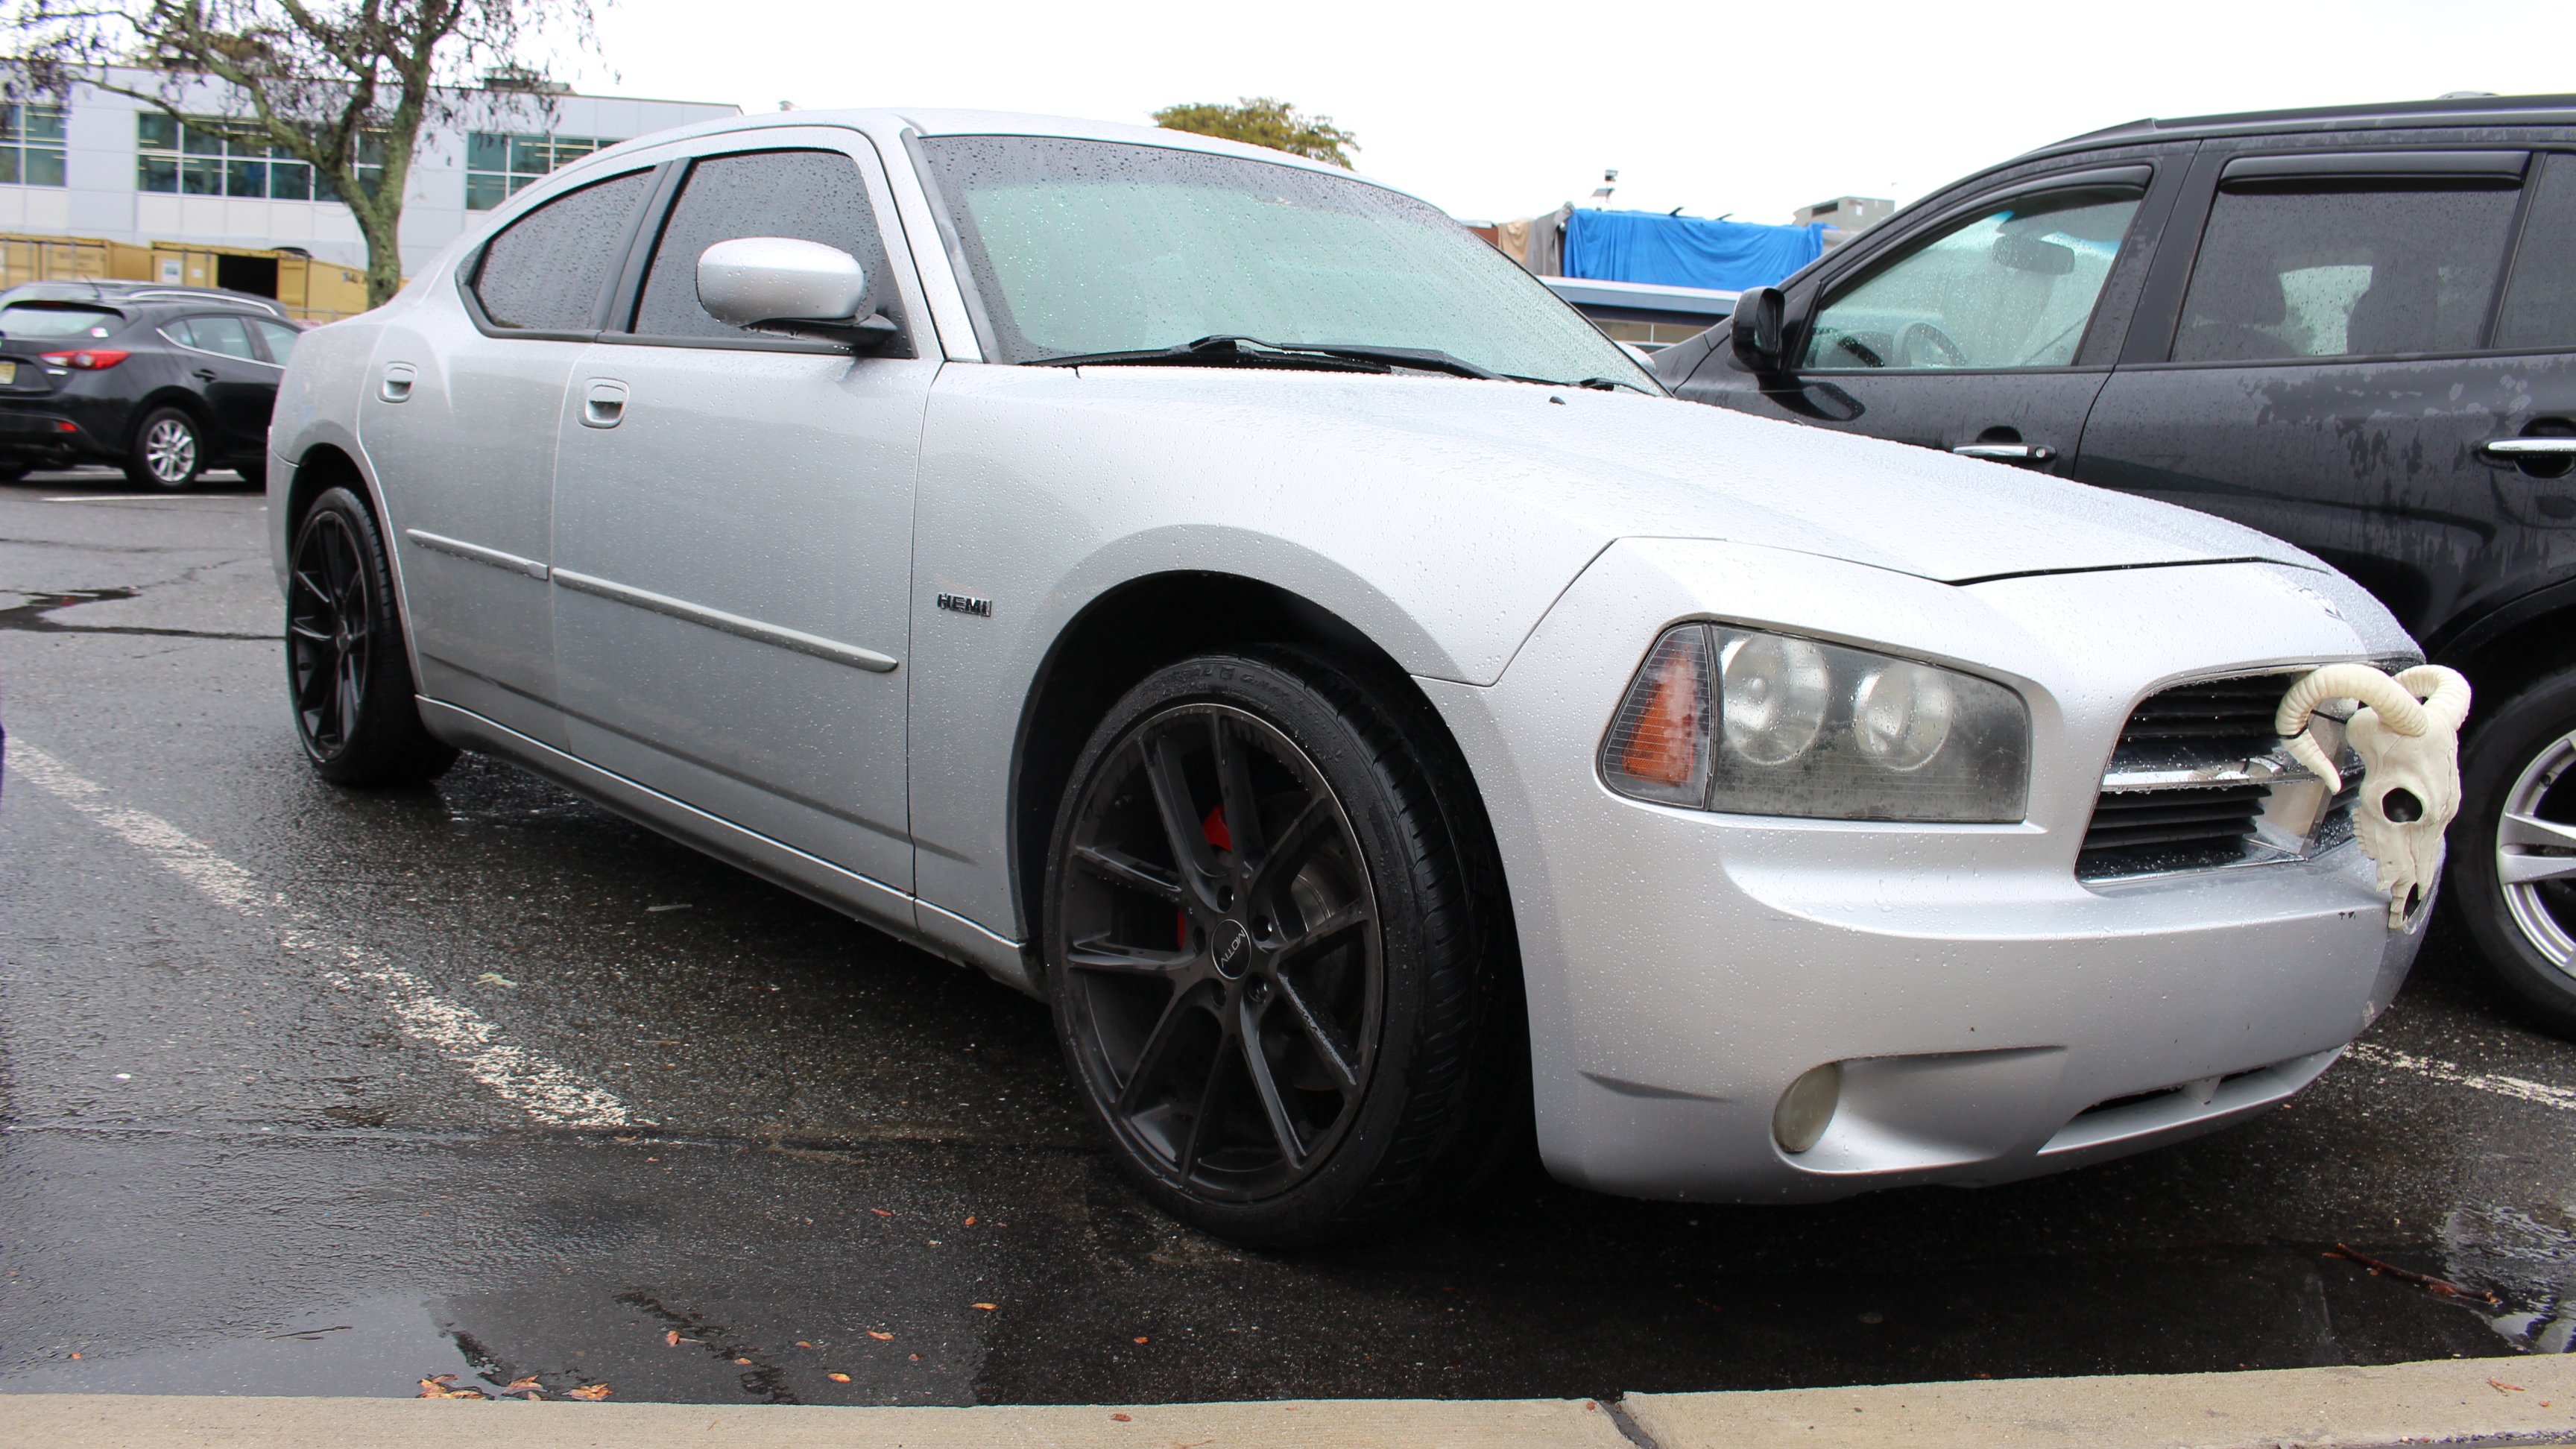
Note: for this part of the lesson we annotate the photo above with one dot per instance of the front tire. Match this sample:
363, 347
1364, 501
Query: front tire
1280, 968
347, 671
169, 451
2514, 847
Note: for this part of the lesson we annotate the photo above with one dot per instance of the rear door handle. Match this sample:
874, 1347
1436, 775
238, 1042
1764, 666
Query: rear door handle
205, 374
396, 386
2515, 450
603, 404
2007, 452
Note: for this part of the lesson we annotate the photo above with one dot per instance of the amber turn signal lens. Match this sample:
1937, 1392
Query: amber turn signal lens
1658, 745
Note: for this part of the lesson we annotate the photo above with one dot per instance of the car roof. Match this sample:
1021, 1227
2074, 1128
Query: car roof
2483, 111
145, 293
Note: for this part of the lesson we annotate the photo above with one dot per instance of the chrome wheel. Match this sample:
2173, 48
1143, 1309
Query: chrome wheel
170, 451
1220, 943
2536, 853
327, 614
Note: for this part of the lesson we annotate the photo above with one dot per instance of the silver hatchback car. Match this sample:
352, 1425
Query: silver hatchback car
1222, 597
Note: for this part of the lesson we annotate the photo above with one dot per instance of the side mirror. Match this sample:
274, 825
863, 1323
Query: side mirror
1756, 331
780, 284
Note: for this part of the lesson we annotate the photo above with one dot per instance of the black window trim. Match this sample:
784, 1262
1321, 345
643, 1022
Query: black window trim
2260, 168
2139, 175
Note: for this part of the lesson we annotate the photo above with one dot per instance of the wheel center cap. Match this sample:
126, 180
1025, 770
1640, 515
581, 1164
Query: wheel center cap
1232, 948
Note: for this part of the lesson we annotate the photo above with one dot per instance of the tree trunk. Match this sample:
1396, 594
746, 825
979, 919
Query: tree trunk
383, 232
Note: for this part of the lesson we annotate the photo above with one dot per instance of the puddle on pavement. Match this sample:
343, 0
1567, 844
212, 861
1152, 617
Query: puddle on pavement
30, 612
376, 1348
2529, 1263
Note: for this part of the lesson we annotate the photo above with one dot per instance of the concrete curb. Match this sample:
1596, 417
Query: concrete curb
2454, 1401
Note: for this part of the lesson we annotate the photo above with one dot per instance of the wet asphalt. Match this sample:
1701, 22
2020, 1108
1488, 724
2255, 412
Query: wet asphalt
246, 1153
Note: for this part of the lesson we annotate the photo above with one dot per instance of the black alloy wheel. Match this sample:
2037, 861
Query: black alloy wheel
1270, 973
169, 451
2513, 847
350, 680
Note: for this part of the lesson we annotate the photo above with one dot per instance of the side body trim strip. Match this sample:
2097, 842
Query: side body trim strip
478, 553
724, 623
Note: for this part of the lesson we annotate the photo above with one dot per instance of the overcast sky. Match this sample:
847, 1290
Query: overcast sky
1496, 111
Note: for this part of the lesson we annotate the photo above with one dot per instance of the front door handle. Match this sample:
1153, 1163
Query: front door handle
603, 404
205, 374
396, 386
2517, 450
2007, 452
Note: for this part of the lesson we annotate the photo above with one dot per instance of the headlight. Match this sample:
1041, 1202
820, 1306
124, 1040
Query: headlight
1737, 720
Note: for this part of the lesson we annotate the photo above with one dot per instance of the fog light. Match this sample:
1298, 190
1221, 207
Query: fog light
1807, 1108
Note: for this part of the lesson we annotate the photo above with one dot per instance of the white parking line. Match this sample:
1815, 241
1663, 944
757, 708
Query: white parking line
549, 1092
2521, 1089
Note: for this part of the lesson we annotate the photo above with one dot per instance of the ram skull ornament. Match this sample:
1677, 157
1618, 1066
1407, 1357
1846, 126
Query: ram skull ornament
2408, 736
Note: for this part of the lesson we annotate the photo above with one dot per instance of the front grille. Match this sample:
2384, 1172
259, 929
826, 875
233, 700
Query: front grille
2193, 783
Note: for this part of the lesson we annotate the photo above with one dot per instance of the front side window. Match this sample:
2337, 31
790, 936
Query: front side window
815, 196
498, 163
1079, 247
2012, 288
549, 269
31, 145
2344, 270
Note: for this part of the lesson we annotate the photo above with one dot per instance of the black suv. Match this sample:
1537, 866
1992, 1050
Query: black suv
165, 382
2353, 328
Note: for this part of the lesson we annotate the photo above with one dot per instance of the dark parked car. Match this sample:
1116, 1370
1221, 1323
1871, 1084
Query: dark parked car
165, 382
2352, 328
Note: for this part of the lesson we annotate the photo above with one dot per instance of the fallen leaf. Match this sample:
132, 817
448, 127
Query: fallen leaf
590, 1393
527, 1385
1122, 1418
443, 1386
2500, 1386
881, 1212
970, 1222
838, 1378
672, 1338
800, 1343
916, 1358
495, 978
989, 1307
75, 1353
1140, 1338
880, 1337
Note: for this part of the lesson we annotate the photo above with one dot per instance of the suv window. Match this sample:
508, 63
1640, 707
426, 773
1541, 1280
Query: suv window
547, 269
2011, 288
815, 196
226, 335
2540, 302
2343, 270
279, 337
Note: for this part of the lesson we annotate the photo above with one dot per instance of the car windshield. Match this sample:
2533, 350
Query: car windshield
43, 319
1081, 247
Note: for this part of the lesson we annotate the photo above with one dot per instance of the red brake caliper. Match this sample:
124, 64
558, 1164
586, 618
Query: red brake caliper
1223, 839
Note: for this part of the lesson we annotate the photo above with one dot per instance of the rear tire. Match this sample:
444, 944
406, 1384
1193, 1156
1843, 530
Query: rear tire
348, 674
169, 451
1279, 958
2513, 875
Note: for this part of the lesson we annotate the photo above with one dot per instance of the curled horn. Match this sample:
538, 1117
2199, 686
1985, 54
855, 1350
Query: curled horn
2397, 708
2445, 692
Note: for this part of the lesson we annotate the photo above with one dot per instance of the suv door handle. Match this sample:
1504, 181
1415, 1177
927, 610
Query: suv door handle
603, 404
2007, 452
396, 386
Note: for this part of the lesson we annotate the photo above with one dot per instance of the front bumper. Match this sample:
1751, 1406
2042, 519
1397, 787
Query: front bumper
1995, 1018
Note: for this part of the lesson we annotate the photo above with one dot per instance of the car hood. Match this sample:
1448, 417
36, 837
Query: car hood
1615, 465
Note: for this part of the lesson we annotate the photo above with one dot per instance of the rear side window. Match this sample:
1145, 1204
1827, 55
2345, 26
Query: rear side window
547, 270
28, 319
2540, 302
815, 196
2320, 271
226, 335
280, 339
2012, 288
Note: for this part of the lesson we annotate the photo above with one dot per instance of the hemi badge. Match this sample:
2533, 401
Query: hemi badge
967, 604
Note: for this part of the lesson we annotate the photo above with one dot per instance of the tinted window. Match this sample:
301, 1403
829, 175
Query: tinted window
280, 339
226, 335
2344, 272
547, 269
814, 196
39, 320
2012, 288
1098, 246
2540, 303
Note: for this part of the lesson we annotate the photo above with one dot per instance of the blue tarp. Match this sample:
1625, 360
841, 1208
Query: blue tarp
1685, 251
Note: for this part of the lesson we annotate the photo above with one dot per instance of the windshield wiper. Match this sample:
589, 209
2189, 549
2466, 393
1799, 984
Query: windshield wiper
1595, 384
1231, 350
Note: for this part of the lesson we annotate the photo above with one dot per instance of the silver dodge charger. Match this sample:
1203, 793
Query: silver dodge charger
1222, 597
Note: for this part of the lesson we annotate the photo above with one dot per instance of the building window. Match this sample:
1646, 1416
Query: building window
208, 156
497, 164
31, 145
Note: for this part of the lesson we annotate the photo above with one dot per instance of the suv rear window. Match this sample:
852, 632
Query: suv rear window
46, 319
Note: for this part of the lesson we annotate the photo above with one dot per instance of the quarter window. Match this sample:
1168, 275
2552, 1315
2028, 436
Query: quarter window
31, 145
548, 269
2540, 302
2012, 288
279, 337
814, 196
2340, 271
498, 163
